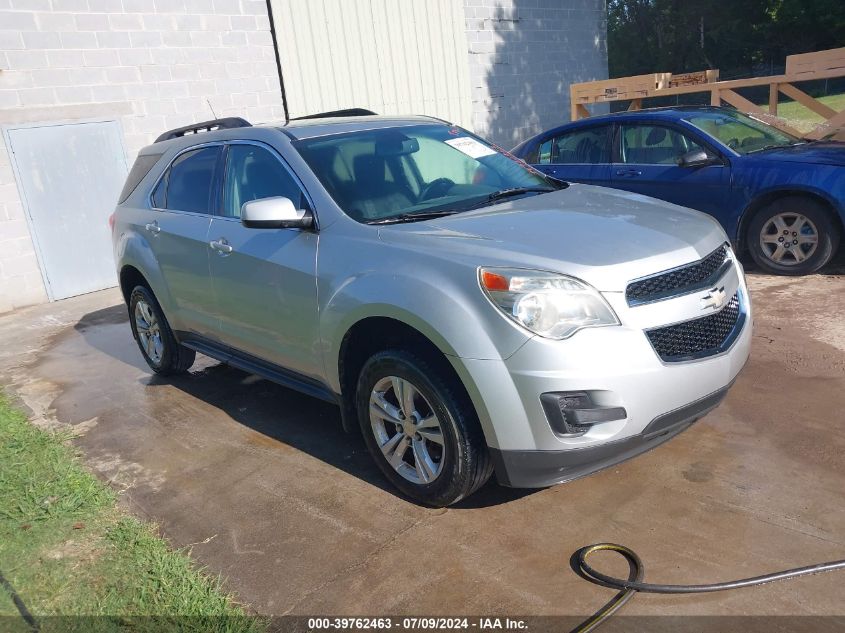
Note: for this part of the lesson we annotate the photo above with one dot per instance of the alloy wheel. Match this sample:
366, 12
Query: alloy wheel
407, 430
149, 332
789, 239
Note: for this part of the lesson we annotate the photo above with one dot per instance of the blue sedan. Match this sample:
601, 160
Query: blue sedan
779, 197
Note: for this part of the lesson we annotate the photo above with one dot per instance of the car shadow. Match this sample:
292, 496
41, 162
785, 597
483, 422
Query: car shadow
278, 413
834, 268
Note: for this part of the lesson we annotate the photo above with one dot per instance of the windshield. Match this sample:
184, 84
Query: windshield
412, 171
740, 132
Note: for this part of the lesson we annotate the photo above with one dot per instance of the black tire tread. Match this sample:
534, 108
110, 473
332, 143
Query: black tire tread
178, 359
477, 458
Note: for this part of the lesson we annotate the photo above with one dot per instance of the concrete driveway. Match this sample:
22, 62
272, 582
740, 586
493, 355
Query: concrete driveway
264, 487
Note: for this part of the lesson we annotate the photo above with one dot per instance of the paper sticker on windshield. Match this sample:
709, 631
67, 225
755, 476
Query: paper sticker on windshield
470, 147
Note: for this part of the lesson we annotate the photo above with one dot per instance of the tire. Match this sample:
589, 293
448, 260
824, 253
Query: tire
786, 229
461, 460
155, 339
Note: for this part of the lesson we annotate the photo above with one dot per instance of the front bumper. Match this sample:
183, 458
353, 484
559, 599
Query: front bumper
617, 369
537, 469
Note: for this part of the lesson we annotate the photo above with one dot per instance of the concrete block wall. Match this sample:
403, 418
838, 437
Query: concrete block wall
523, 54
150, 64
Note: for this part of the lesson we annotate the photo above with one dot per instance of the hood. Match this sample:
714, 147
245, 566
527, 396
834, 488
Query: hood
605, 237
817, 152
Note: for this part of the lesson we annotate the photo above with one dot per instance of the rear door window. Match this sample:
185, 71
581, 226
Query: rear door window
191, 182
160, 193
589, 146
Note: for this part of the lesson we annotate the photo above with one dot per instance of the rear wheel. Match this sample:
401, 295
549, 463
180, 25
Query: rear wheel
155, 339
422, 433
793, 236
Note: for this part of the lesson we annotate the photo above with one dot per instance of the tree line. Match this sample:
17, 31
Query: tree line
741, 38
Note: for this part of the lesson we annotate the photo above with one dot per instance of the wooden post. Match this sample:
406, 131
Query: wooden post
773, 99
636, 104
579, 112
831, 125
739, 102
807, 101
715, 98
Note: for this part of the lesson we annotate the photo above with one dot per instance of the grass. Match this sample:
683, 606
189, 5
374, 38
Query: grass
68, 550
803, 119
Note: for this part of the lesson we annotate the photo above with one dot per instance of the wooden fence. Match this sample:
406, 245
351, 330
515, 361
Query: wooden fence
805, 67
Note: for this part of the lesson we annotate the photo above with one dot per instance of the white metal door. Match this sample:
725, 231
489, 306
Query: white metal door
69, 177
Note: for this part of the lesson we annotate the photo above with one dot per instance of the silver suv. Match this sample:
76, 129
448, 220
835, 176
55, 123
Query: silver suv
469, 314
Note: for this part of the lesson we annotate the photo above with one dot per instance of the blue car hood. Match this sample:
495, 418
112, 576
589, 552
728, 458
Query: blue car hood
819, 153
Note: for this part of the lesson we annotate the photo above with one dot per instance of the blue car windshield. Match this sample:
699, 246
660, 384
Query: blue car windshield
740, 132
415, 172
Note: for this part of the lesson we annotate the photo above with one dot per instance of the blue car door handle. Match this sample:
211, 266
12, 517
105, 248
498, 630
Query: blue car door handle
629, 173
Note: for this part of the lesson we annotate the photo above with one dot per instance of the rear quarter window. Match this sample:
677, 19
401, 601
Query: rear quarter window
140, 168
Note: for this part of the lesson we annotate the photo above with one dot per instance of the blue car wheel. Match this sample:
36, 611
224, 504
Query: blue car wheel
793, 236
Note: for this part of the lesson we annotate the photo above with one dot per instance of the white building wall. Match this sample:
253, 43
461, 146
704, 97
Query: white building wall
499, 67
390, 56
523, 55
152, 65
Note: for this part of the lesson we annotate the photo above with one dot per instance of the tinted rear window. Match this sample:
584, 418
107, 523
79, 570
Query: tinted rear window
141, 167
190, 181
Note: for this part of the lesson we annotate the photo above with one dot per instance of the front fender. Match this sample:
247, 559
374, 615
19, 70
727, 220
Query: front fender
450, 311
762, 183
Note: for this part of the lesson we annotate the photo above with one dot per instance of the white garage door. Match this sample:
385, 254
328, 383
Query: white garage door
69, 177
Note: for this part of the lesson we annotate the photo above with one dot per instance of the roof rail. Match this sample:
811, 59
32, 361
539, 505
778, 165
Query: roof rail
336, 113
206, 126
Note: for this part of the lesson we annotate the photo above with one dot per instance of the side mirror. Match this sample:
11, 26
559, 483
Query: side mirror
697, 158
275, 213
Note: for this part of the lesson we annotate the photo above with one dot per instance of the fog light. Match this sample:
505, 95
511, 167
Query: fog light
573, 412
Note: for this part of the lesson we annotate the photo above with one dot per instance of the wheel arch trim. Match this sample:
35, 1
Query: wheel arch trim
431, 336
133, 252
765, 197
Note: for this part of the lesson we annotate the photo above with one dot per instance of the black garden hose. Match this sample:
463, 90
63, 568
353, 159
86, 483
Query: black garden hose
634, 584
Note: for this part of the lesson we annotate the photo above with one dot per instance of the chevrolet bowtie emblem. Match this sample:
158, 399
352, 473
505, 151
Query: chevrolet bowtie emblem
715, 298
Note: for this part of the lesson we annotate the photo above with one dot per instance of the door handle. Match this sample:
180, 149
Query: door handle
153, 227
221, 246
629, 173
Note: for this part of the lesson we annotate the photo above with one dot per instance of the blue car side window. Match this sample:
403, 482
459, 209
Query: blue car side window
654, 145
580, 147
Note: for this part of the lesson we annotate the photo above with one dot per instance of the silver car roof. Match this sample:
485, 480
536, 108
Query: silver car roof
297, 129
311, 128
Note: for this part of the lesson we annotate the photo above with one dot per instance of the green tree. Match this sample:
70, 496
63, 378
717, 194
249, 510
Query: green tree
738, 36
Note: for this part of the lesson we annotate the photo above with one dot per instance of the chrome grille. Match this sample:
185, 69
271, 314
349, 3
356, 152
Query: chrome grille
678, 281
700, 337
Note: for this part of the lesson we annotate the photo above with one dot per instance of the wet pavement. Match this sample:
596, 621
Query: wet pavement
265, 488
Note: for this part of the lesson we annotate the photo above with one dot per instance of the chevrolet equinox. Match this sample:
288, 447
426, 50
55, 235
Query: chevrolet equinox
468, 313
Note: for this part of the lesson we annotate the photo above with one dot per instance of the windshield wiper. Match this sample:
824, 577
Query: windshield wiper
507, 193
774, 146
516, 191
414, 216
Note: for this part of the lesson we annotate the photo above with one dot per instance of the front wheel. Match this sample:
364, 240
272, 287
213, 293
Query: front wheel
793, 236
420, 429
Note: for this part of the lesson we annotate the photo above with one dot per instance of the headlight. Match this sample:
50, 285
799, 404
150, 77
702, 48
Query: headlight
549, 304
